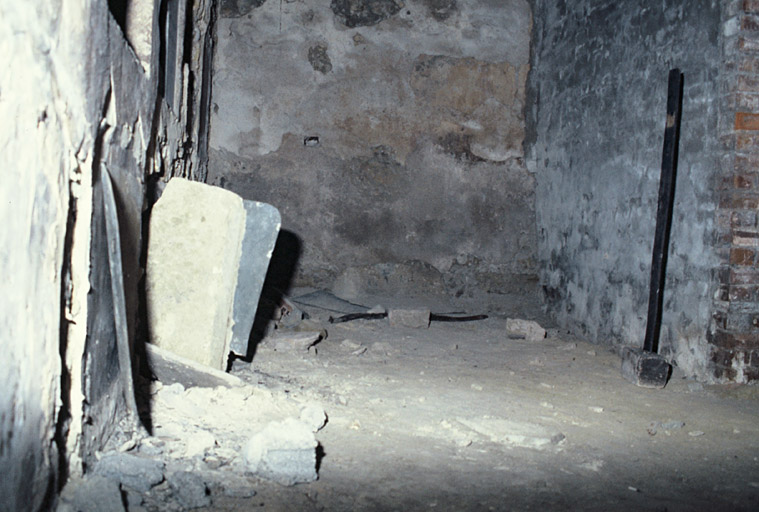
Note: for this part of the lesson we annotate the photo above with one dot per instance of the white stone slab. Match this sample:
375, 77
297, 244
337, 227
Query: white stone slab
196, 233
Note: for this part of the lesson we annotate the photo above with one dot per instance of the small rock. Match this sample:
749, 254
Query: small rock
414, 318
527, 329
91, 494
284, 451
558, 438
653, 428
596, 409
314, 416
131, 470
198, 443
591, 353
673, 425
695, 433
189, 489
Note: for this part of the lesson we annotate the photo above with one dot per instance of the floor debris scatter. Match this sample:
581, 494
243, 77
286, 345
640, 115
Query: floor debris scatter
371, 415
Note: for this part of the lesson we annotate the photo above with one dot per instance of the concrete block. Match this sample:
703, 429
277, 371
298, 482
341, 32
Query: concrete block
525, 329
284, 451
196, 233
415, 318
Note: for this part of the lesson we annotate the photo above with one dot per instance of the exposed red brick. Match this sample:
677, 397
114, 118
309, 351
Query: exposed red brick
727, 343
738, 201
741, 256
751, 6
743, 219
744, 181
747, 164
744, 100
743, 275
750, 23
746, 120
746, 65
746, 142
748, 43
741, 293
721, 355
745, 238
748, 83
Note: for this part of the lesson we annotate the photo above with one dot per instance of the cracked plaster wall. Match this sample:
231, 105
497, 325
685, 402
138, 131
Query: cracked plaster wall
418, 110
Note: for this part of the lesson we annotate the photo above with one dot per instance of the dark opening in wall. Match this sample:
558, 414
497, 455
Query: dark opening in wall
169, 26
118, 9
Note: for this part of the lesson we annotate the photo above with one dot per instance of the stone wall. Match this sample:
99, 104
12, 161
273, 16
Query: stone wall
78, 103
383, 131
596, 122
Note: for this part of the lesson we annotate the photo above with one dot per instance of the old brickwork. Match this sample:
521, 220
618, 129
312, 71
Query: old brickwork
735, 332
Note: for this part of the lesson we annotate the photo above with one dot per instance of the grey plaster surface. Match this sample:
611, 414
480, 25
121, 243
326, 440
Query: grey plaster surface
596, 116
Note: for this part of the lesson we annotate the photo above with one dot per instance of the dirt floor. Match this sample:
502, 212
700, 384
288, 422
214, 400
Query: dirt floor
457, 416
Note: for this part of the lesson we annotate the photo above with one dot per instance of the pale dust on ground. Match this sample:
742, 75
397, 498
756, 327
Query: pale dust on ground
461, 417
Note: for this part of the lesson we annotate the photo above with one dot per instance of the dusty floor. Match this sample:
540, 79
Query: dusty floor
461, 417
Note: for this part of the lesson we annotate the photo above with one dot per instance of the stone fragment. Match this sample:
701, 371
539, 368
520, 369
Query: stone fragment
672, 425
198, 443
189, 489
196, 233
414, 318
170, 368
131, 470
94, 493
284, 451
526, 329
314, 416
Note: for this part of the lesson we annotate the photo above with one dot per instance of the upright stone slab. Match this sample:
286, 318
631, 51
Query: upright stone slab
262, 224
196, 234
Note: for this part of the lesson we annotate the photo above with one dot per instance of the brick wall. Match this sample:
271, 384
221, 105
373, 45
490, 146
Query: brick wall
735, 331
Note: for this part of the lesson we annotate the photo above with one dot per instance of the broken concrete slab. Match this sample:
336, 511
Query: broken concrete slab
170, 368
524, 329
414, 318
284, 451
207, 258
139, 473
